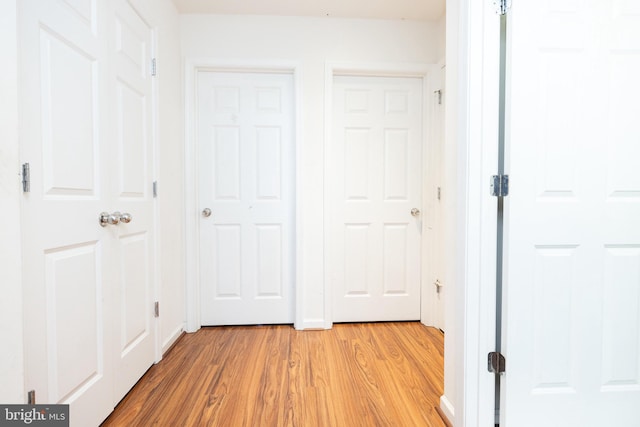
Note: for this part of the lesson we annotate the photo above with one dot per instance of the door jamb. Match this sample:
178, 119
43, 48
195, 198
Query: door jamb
192, 252
365, 69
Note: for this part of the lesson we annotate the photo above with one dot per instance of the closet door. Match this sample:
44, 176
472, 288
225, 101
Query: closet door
572, 230
67, 296
85, 112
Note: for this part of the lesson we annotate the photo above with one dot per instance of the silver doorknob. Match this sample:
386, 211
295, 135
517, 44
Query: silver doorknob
415, 212
106, 218
206, 212
126, 218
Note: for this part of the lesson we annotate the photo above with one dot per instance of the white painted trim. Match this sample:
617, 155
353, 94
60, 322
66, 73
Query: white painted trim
192, 280
366, 69
173, 337
448, 409
476, 115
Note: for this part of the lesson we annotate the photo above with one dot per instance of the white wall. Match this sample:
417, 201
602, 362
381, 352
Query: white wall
11, 355
311, 42
163, 16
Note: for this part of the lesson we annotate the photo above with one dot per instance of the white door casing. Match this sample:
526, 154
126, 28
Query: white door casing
246, 173
87, 288
374, 248
572, 249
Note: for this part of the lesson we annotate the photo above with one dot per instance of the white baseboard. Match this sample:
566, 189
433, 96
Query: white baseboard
448, 409
166, 345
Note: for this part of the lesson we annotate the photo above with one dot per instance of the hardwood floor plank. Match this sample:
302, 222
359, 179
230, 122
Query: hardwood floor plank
374, 374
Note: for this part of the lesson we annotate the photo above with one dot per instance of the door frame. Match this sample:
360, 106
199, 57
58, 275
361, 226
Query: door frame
367, 69
192, 211
471, 158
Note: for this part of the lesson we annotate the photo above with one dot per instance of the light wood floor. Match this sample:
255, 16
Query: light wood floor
373, 374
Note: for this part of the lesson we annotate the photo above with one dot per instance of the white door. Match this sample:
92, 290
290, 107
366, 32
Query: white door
435, 209
67, 293
84, 285
572, 252
130, 186
375, 155
245, 140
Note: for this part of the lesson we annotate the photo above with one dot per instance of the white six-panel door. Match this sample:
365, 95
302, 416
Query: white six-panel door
373, 260
85, 132
572, 249
246, 171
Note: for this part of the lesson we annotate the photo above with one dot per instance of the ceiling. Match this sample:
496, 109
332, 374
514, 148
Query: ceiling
415, 10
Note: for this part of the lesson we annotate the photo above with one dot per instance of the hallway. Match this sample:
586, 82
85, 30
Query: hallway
355, 374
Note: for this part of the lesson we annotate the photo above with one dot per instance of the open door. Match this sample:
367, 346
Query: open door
571, 333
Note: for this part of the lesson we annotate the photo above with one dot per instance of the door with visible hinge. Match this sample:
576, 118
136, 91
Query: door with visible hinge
131, 188
435, 286
374, 225
85, 132
571, 317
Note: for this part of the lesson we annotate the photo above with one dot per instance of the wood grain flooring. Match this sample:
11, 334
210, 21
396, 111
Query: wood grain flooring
371, 374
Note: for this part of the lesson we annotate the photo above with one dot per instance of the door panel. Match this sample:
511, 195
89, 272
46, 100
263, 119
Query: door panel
85, 130
375, 244
246, 170
62, 97
73, 335
131, 82
572, 319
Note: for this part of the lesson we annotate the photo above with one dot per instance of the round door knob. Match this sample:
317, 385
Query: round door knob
415, 212
106, 218
206, 212
126, 218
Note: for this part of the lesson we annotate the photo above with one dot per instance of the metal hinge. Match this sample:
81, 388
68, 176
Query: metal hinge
154, 67
496, 362
155, 188
26, 178
156, 309
502, 6
500, 185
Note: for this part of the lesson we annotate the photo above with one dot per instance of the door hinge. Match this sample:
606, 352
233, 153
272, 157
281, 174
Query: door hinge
155, 189
154, 67
156, 309
500, 185
26, 178
496, 362
31, 397
502, 6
